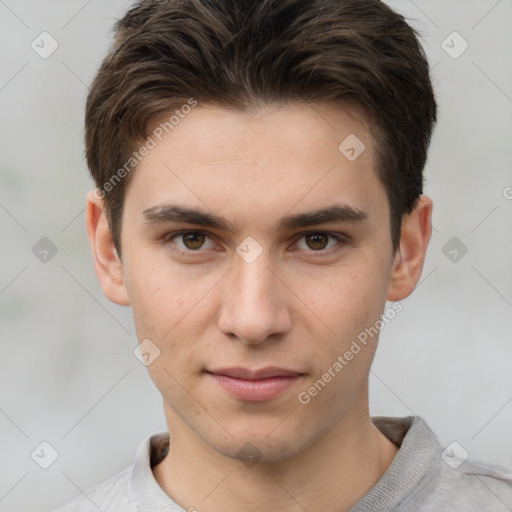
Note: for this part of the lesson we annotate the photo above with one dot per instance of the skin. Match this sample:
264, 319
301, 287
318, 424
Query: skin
292, 307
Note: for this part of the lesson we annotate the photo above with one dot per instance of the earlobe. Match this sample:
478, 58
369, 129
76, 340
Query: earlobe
410, 257
107, 263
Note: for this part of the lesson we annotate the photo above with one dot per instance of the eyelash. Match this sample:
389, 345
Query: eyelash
341, 239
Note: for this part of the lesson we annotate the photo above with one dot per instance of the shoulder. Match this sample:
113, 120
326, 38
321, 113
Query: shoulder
455, 482
426, 476
112, 495
125, 490
475, 485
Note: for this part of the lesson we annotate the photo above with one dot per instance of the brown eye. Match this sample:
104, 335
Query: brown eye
317, 241
193, 241
190, 241
320, 242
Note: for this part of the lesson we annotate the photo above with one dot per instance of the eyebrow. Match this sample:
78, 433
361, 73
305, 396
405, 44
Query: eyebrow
177, 213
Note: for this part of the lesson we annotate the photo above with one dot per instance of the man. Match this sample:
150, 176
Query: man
259, 199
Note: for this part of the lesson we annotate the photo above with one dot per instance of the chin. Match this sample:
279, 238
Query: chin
264, 442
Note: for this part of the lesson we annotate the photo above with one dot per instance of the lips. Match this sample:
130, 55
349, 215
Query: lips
263, 373
255, 385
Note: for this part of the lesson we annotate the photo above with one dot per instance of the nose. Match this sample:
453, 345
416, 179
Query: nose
255, 303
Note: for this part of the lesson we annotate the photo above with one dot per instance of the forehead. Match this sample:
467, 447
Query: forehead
308, 127
272, 157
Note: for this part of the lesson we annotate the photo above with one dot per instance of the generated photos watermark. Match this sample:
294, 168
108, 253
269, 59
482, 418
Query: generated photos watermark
157, 135
355, 348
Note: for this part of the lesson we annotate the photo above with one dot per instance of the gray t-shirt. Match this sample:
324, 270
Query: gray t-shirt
423, 477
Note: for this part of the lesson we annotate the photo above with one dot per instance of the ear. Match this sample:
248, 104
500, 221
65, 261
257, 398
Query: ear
107, 263
410, 257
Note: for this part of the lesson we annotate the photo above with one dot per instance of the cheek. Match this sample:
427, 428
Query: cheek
350, 306
170, 304
346, 300
168, 310
156, 297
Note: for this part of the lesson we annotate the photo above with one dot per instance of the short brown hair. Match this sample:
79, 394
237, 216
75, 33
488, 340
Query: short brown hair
241, 53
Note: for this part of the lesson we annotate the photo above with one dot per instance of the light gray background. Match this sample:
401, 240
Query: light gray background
67, 372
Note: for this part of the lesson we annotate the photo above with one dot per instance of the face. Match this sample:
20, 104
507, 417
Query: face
229, 271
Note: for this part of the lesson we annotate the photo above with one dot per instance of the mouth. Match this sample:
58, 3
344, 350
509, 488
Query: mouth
255, 385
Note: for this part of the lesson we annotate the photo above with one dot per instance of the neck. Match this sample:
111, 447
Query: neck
333, 473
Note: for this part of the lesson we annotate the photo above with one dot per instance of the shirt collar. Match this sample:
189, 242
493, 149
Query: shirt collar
418, 447
416, 460
147, 493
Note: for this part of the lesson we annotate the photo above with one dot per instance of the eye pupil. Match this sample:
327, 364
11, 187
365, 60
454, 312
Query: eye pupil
314, 239
196, 239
